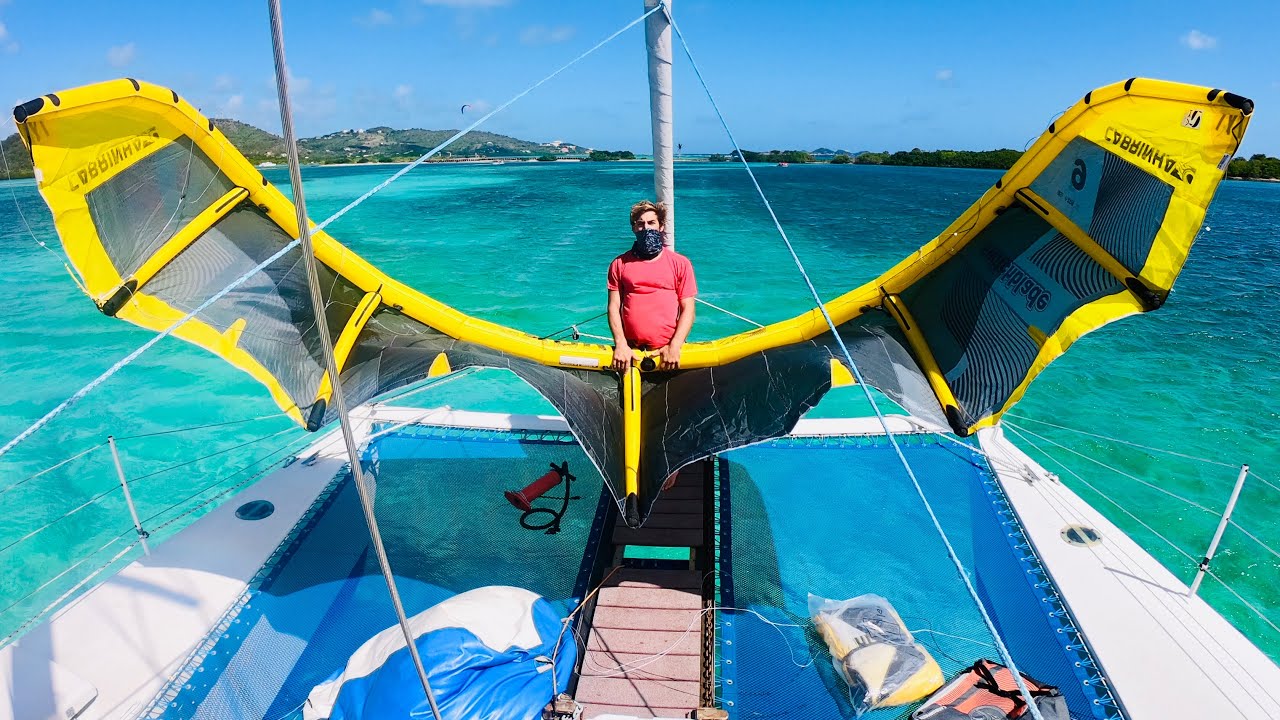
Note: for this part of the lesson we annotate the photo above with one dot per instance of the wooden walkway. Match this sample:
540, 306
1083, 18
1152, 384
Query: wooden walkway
644, 651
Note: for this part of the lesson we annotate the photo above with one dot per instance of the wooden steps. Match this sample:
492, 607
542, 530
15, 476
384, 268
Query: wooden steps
676, 519
644, 651
643, 654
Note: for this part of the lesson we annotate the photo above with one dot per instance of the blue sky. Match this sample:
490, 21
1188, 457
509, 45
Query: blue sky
791, 74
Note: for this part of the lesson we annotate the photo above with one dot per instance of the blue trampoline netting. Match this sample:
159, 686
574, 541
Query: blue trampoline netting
839, 518
836, 517
447, 529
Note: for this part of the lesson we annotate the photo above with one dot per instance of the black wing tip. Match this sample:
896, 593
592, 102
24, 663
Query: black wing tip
631, 510
27, 109
315, 418
957, 423
1239, 102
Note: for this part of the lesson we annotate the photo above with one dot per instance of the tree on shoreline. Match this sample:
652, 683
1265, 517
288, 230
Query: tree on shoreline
989, 159
1257, 167
607, 155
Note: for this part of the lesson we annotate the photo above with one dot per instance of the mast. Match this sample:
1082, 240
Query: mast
657, 36
326, 345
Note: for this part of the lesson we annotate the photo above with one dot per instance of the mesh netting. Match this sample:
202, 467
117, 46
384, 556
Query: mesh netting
447, 529
144, 206
839, 518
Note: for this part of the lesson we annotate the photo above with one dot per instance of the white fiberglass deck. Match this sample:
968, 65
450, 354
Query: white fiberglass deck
1166, 656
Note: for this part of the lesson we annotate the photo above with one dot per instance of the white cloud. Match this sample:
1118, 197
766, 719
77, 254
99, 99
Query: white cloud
375, 18
543, 35
467, 3
1197, 40
403, 95
232, 106
4, 31
12, 47
945, 74
223, 83
121, 55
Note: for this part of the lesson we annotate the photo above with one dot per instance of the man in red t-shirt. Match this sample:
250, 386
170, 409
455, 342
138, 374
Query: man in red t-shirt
651, 293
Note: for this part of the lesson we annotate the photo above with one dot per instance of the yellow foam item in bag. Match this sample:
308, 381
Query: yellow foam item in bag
874, 652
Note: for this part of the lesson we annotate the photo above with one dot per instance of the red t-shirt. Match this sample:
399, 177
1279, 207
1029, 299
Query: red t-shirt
651, 292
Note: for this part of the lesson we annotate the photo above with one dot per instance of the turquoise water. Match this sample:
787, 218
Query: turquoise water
527, 245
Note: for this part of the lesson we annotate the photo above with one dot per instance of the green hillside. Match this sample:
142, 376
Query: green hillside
16, 156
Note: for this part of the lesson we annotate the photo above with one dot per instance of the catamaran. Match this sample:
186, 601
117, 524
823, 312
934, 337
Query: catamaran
914, 563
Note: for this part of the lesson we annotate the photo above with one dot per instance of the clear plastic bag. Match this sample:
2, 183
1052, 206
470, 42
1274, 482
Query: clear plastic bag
874, 652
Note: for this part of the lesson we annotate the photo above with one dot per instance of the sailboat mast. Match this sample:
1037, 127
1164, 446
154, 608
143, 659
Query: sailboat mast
326, 345
657, 36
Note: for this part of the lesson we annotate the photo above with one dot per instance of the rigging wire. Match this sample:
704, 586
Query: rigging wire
1132, 477
1103, 495
1173, 603
60, 575
116, 486
8, 174
1264, 481
1151, 529
1122, 442
51, 468
199, 427
336, 394
74, 588
78, 395
1004, 652
271, 456
139, 478
1231, 521
728, 312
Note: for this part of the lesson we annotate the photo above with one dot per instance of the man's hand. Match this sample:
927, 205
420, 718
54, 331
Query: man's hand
622, 355
669, 354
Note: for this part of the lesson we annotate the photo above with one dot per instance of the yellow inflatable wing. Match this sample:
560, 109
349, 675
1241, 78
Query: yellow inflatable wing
158, 212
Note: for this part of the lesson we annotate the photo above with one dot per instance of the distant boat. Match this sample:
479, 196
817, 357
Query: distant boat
782, 164
498, 162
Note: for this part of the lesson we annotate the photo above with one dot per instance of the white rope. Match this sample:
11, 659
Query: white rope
1118, 471
1124, 442
728, 312
951, 551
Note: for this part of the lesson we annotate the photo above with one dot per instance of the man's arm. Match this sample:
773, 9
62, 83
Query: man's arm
621, 350
671, 353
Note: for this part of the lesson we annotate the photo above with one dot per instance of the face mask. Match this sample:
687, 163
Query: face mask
648, 244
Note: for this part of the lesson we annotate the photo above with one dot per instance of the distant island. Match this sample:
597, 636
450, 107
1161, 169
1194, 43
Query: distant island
388, 145
989, 159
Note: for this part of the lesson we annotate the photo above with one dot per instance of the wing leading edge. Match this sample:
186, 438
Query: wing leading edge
158, 211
